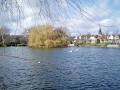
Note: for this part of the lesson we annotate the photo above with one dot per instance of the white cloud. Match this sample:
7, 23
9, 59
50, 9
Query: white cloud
116, 2
75, 21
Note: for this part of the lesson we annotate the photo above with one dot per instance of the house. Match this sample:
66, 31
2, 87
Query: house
85, 38
117, 39
93, 39
111, 39
99, 38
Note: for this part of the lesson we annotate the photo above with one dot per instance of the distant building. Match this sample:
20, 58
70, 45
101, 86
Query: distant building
93, 39
100, 32
99, 38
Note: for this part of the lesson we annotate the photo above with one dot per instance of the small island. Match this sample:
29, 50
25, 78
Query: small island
47, 36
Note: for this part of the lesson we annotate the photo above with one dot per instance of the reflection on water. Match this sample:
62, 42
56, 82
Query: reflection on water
60, 69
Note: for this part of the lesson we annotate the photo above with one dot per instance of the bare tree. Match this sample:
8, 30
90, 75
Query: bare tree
4, 32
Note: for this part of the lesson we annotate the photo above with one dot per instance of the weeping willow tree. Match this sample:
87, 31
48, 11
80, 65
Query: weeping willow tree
46, 36
51, 10
43, 12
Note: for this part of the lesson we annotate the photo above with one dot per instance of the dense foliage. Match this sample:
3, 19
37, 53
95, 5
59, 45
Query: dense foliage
46, 36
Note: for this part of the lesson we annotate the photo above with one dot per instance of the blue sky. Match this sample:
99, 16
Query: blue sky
79, 16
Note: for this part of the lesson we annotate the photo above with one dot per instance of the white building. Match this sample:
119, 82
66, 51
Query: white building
93, 39
111, 37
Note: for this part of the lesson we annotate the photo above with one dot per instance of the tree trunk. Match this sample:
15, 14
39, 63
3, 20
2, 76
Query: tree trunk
3, 40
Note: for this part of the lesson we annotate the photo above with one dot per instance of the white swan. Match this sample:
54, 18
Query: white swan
70, 51
38, 62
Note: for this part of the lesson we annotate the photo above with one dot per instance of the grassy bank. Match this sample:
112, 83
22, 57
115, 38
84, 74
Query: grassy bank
91, 44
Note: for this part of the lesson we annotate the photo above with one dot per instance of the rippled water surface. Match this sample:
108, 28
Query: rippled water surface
59, 69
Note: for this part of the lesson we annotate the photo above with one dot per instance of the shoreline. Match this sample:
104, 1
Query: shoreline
88, 46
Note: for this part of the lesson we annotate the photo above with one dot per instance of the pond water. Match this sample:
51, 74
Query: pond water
74, 68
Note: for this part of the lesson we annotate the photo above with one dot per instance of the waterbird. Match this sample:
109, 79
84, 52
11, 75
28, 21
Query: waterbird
38, 62
70, 51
